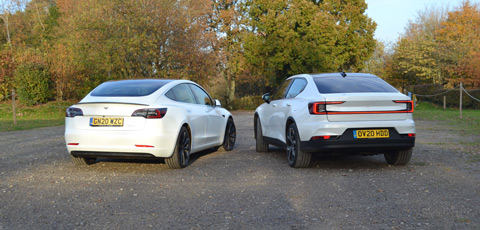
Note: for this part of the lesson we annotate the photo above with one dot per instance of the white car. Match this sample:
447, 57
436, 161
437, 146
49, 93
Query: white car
339, 113
149, 118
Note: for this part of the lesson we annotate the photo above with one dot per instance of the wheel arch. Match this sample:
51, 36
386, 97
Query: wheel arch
255, 116
187, 126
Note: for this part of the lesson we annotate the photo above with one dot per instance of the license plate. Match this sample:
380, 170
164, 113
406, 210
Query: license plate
106, 121
371, 133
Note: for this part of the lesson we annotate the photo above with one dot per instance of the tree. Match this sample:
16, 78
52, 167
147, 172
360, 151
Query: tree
415, 59
7, 7
459, 44
225, 21
301, 36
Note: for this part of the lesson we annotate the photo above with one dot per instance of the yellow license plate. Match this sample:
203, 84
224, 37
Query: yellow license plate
371, 133
106, 121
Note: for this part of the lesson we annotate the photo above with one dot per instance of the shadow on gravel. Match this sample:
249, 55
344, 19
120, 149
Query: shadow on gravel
338, 161
194, 157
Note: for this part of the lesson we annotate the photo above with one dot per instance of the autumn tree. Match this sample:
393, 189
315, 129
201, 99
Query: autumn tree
459, 44
226, 21
301, 36
415, 57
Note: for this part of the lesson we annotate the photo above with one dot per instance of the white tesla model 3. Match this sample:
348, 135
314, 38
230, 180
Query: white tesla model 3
339, 113
148, 118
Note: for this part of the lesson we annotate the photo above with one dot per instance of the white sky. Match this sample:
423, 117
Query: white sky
392, 16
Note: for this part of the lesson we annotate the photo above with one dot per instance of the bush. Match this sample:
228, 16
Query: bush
33, 83
247, 102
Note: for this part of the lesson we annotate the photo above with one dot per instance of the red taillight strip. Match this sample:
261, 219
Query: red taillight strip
366, 112
73, 144
313, 108
145, 146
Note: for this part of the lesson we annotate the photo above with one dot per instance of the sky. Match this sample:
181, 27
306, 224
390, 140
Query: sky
392, 16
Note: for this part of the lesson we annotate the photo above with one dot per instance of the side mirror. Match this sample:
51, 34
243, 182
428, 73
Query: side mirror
217, 103
267, 98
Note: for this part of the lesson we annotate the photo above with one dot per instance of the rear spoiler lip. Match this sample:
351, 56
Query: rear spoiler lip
111, 102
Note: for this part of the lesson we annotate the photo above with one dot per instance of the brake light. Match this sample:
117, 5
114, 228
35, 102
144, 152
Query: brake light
320, 108
411, 134
320, 138
73, 144
73, 112
150, 113
409, 108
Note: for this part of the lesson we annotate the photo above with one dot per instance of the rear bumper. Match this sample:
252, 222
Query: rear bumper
346, 143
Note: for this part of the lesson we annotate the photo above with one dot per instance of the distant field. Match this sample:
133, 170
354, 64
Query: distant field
50, 114
469, 124
53, 114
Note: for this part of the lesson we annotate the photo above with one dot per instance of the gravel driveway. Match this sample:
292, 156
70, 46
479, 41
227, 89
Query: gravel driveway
40, 188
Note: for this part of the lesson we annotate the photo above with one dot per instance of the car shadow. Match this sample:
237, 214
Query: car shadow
194, 157
339, 160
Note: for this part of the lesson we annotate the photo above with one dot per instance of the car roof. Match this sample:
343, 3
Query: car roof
340, 75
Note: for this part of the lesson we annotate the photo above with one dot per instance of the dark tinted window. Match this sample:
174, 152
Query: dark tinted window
280, 93
128, 88
181, 93
353, 84
296, 88
201, 95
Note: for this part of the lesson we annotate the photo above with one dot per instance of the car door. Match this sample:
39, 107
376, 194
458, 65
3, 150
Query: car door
288, 105
215, 125
195, 113
273, 114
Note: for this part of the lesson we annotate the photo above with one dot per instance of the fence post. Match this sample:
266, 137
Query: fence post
444, 103
461, 89
13, 107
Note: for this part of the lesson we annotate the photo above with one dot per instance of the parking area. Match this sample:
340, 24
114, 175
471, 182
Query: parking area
40, 188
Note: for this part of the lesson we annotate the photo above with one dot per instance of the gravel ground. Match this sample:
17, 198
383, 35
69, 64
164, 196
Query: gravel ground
40, 188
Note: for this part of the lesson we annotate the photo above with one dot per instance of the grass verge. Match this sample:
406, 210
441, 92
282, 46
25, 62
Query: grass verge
45, 115
469, 124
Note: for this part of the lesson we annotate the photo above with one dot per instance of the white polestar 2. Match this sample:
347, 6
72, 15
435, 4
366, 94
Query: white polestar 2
336, 113
148, 118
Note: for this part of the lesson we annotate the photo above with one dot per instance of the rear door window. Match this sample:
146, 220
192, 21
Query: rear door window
280, 93
181, 93
296, 88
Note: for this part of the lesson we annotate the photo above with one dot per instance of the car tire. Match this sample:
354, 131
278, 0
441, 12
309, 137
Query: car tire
181, 153
83, 160
261, 146
401, 157
295, 156
230, 135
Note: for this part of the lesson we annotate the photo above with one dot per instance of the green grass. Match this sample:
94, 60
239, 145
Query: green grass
468, 124
49, 114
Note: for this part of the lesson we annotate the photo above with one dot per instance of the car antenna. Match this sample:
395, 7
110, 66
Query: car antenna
343, 74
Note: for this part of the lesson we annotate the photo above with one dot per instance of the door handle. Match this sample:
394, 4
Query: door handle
289, 104
274, 105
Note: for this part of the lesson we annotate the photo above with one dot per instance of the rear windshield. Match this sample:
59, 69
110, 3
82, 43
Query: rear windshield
128, 88
353, 84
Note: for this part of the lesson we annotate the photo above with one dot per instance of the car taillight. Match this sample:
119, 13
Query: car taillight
73, 112
409, 108
320, 138
321, 107
150, 113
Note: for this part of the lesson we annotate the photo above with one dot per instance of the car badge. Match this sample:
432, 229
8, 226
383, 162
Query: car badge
105, 107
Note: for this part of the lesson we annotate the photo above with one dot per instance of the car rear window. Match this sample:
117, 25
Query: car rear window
128, 88
352, 84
